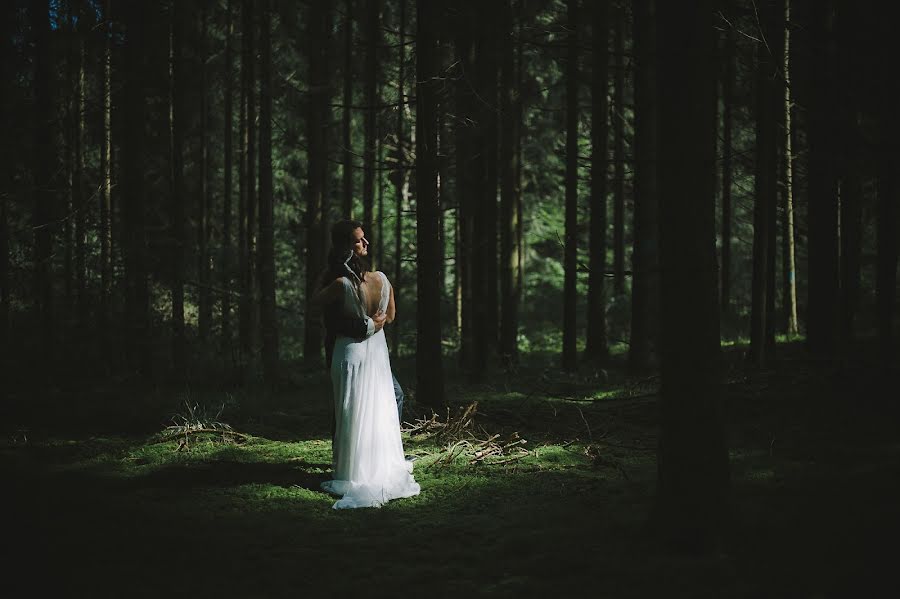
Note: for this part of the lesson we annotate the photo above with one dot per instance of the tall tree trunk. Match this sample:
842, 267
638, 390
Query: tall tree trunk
80, 206
728, 101
66, 312
7, 75
43, 161
596, 343
888, 203
316, 122
204, 204
824, 283
569, 358
788, 252
467, 176
619, 154
484, 272
373, 37
227, 250
850, 198
105, 226
347, 168
693, 476
400, 179
429, 363
177, 123
768, 99
510, 292
248, 307
133, 190
268, 320
642, 351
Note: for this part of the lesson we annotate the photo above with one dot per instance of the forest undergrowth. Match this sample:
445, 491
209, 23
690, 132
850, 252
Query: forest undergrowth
535, 484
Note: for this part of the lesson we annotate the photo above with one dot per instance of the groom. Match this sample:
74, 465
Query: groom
356, 328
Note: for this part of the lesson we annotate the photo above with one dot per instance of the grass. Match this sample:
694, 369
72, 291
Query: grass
113, 514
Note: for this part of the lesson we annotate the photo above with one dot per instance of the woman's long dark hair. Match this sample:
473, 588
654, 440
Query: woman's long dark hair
341, 247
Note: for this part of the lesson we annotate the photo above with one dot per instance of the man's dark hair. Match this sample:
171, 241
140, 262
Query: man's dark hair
341, 245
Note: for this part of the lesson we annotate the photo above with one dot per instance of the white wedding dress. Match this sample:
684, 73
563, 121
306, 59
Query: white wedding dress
368, 462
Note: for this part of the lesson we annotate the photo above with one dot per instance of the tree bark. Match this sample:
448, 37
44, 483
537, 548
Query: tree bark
400, 179
347, 113
227, 192
104, 232
373, 38
596, 343
137, 297
429, 364
316, 122
468, 175
43, 160
728, 100
788, 252
178, 198
248, 180
268, 316
693, 475
204, 204
823, 280
510, 292
642, 352
569, 358
768, 98
619, 154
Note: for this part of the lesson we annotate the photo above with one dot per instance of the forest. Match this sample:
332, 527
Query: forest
645, 263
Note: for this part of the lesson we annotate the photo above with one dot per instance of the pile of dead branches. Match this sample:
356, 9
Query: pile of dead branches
462, 438
194, 423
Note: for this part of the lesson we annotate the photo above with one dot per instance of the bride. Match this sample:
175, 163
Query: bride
368, 462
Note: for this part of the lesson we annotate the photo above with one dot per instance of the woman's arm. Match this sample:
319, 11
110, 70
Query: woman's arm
391, 307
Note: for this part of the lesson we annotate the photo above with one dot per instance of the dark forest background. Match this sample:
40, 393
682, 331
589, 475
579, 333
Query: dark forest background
625, 186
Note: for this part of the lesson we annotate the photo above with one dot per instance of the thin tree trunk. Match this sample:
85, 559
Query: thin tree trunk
177, 124
887, 205
347, 168
401, 175
42, 170
619, 154
727, 161
509, 247
569, 358
429, 363
204, 260
489, 75
373, 37
767, 100
596, 343
7, 74
824, 282
467, 173
268, 320
789, 260
80, 206
137, 297
105, 226
248, 183
644, 345
316, 121
227, 250
693, 477
850, 200
68, 213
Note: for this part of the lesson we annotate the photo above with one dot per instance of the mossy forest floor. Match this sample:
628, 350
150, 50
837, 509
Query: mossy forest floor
101, 510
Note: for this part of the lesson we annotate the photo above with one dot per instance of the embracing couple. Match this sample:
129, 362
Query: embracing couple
367, 454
